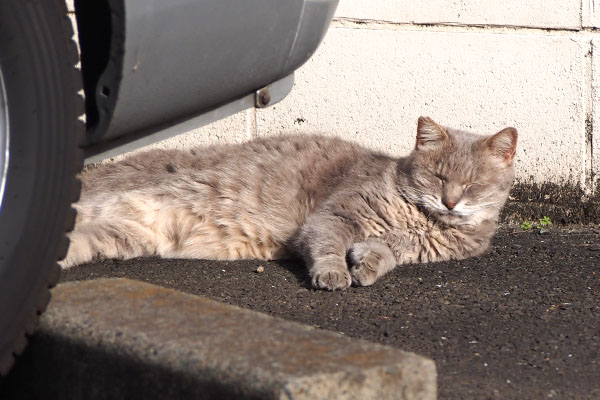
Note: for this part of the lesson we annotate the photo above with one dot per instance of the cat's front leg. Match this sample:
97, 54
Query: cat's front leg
323, 242
369, 260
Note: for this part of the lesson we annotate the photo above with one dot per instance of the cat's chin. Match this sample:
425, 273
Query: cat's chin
453, 219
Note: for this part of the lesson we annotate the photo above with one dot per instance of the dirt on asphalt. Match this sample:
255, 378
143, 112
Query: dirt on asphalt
521, 322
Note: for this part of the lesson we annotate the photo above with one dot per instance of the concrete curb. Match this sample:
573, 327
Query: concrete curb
116, 338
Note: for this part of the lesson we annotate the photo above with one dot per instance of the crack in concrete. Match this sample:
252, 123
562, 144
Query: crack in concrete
374, 24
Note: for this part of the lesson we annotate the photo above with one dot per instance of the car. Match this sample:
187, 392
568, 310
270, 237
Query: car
139, 71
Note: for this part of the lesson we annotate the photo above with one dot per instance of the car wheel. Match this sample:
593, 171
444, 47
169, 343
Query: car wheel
39, 157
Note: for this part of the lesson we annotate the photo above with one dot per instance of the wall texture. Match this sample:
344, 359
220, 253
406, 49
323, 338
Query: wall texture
476, 65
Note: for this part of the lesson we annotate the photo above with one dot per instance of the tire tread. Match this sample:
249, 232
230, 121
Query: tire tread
30, 320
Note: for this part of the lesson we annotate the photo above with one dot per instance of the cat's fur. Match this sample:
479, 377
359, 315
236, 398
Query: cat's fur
353, 214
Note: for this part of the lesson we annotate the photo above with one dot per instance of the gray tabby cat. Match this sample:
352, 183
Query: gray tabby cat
351, 213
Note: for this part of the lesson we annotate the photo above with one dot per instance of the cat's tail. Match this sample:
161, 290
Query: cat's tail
123, 240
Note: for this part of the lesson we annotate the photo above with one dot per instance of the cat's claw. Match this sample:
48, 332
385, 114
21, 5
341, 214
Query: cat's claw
332, 280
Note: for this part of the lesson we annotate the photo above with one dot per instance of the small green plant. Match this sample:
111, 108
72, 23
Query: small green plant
526, 225
543, 222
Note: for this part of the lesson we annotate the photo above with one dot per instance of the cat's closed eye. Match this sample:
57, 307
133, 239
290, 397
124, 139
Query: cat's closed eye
440, 178
473, 187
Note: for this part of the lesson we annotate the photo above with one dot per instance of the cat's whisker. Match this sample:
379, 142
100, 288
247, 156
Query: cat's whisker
474, 208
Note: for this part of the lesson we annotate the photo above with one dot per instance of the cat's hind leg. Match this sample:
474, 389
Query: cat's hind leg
369, 260
96, 240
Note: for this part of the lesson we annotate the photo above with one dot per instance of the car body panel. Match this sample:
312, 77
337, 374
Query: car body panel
172, 61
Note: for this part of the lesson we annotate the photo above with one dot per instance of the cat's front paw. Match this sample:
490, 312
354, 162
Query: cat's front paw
368, 261
365, 272
332, 280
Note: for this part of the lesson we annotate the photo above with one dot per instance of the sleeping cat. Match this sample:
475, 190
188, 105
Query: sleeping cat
351, 213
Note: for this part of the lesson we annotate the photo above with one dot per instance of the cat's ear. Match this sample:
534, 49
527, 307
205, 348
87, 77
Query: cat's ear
429, 134
503, 144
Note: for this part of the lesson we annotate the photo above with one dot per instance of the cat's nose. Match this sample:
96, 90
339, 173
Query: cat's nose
449, 204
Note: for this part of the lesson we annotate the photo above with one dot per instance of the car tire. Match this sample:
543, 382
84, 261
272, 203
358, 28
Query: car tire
40, 129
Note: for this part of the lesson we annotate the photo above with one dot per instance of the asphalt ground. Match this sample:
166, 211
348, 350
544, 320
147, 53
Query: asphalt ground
521, 322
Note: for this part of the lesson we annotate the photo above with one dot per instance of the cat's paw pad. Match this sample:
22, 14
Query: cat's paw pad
332, 280
364, 273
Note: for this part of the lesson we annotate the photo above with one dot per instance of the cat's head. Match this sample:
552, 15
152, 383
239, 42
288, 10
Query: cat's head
458, 177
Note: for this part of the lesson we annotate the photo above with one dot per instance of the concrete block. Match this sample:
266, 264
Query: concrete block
117, 338
372, 85
532, 13
590, 13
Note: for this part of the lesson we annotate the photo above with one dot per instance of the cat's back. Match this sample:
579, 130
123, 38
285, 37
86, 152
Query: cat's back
306, 158
297, 149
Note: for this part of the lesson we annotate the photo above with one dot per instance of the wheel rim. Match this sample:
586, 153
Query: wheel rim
4, 138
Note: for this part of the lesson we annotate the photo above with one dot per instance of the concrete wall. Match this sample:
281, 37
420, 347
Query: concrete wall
476, 65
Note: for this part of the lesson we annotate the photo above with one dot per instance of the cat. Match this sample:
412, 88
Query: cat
351, 213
